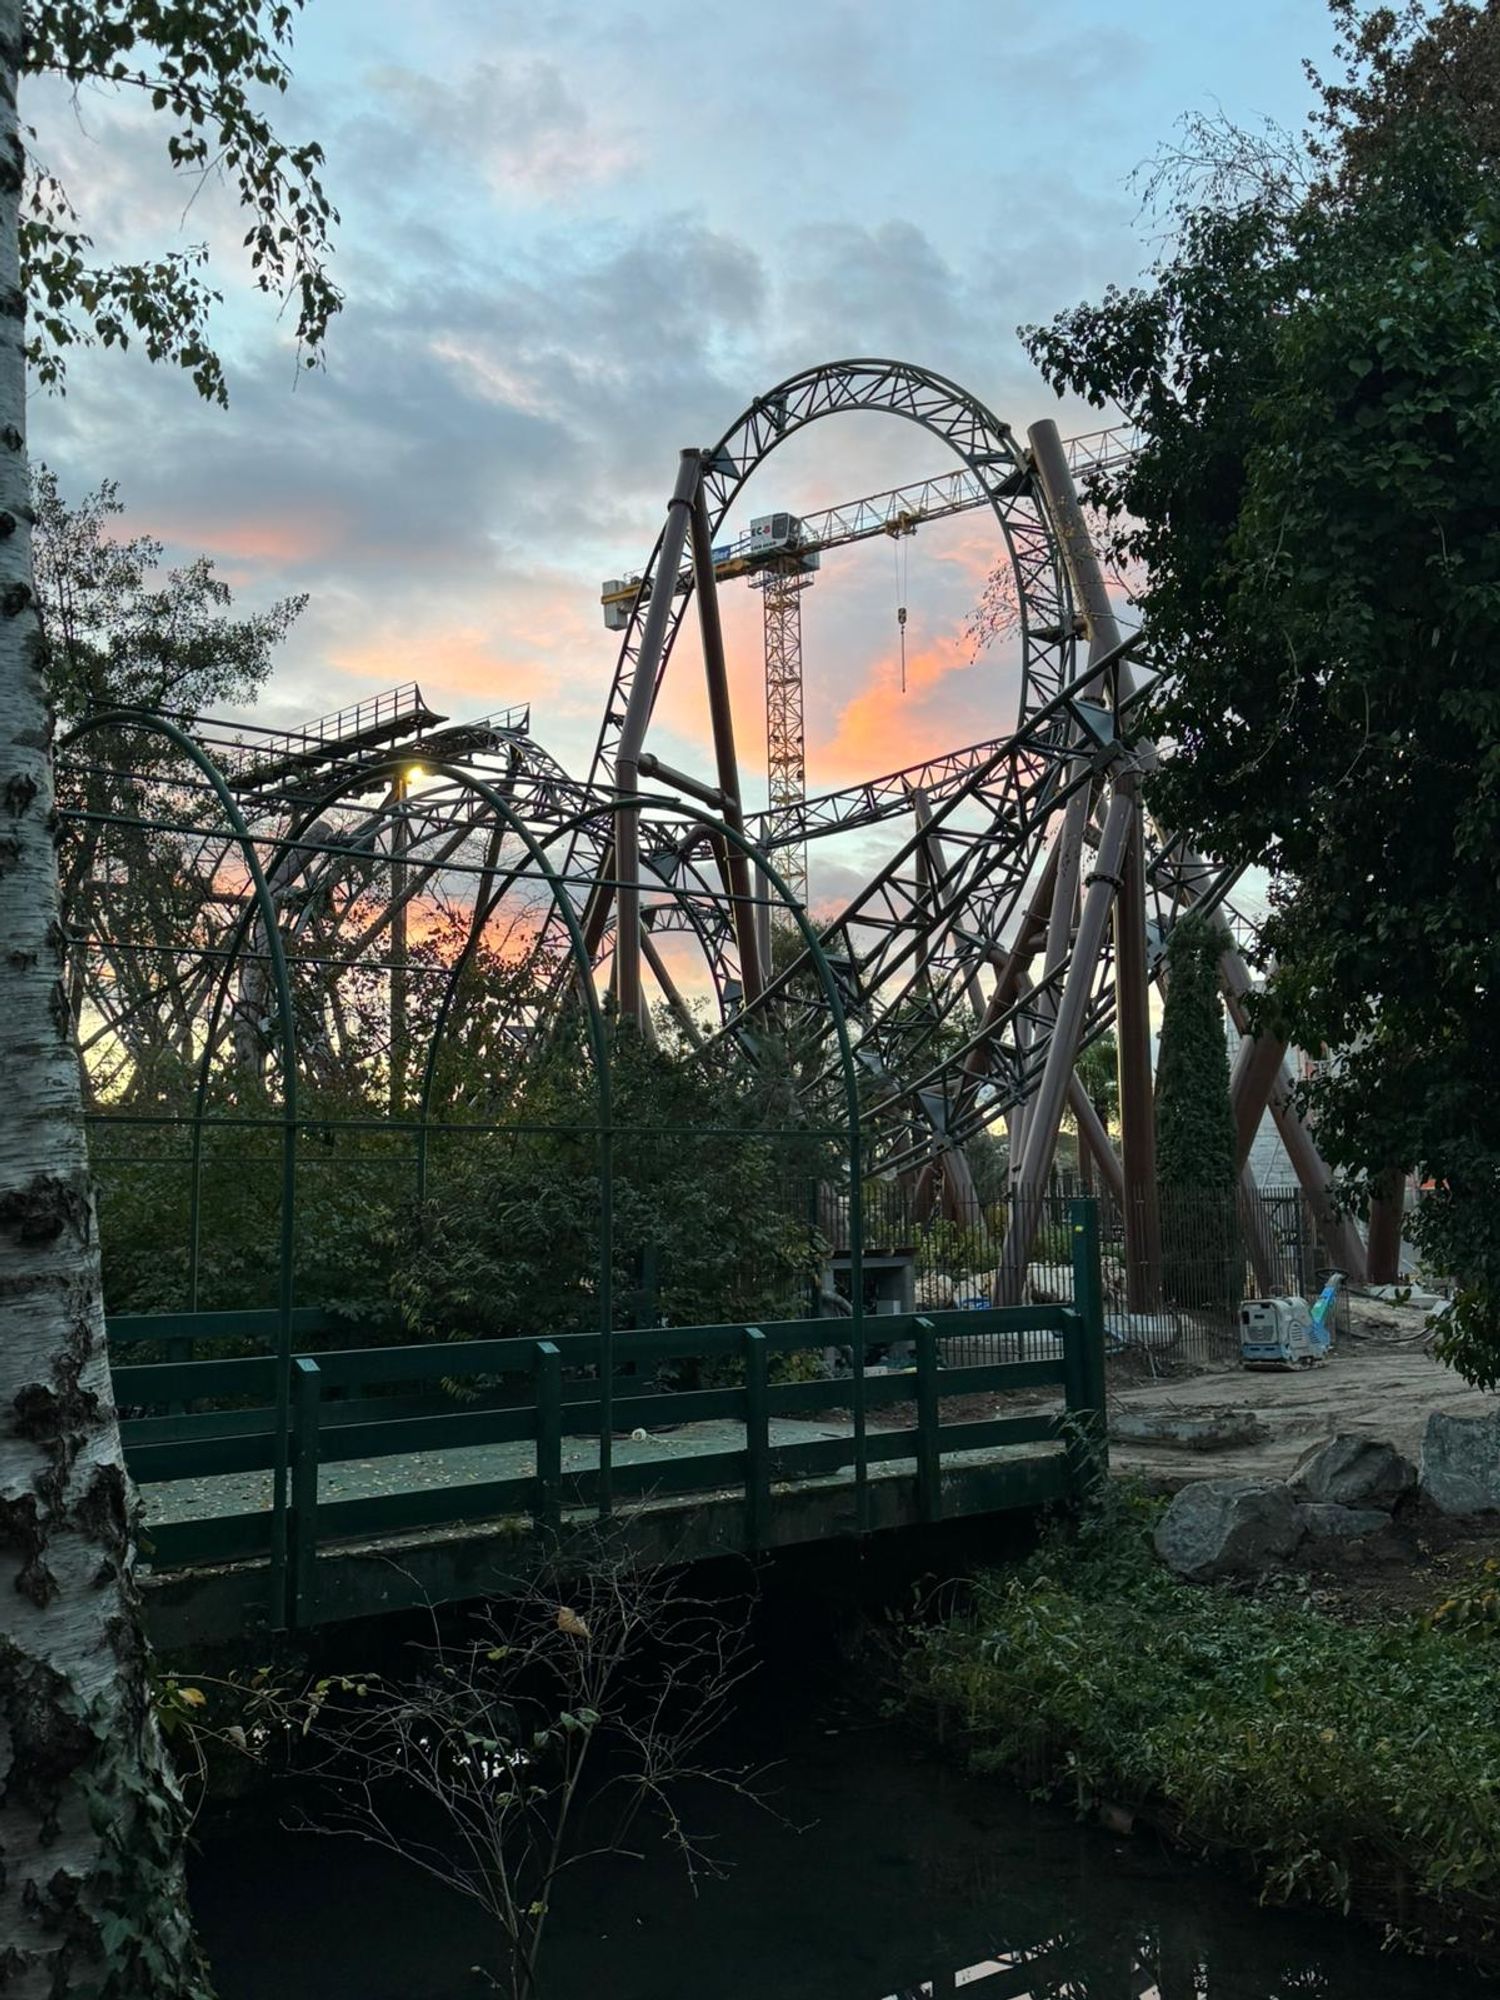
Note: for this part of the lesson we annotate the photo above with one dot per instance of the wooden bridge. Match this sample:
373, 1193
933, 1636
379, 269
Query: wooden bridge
288, 1489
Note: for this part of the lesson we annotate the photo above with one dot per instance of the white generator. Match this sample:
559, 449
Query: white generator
1289, 1333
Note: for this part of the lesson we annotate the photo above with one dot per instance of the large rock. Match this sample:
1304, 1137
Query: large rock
1350, 1471
1328, 1522
1461, 1463
1228, 1527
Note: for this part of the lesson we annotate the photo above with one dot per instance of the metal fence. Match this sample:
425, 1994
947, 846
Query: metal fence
1214, 1252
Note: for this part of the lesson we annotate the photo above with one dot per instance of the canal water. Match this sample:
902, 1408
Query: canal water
885, 1873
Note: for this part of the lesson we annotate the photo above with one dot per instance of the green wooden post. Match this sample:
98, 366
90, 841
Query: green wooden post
547, 1513
757, 1440
302, 1580
929, 1451
1086, 1384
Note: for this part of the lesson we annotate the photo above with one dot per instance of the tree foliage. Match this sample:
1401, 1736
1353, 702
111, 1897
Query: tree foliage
117, 635
204, 65
710, 1209
1314, 375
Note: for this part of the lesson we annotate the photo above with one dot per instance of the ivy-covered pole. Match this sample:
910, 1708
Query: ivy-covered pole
1195, 1135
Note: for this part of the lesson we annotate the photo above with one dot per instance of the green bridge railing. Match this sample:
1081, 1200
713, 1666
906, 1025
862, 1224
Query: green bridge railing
205, 1419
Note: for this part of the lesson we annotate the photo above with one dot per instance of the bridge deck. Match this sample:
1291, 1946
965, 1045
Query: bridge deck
285, 1490
367, 1575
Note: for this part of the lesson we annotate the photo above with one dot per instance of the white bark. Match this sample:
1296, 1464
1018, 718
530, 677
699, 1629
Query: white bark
91, 1897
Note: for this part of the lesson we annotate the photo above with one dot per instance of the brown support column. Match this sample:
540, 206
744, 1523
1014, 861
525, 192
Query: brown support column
959, 1198
681, 1012
1062, 1050
721, 720
1256, 1067
627, 842
1387, 1214
1341, 1239
1132, 977
1093, 1138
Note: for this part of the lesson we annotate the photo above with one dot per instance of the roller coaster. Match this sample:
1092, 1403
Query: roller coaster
249, 897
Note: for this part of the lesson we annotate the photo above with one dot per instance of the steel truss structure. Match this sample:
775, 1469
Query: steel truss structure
1021, 910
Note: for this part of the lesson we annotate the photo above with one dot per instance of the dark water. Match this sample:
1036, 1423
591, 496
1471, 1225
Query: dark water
907, 1878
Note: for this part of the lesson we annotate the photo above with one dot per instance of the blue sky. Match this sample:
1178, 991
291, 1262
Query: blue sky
576, 238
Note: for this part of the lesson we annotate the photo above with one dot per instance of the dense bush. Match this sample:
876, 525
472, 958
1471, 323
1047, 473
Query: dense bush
1349, 1762
711, 1205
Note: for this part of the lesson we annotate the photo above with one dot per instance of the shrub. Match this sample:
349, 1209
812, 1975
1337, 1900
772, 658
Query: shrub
1335, 1756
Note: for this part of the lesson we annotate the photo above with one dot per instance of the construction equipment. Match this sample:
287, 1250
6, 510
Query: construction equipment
1288, 1332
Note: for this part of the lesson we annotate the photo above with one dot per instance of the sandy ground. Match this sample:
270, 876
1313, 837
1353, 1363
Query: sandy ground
1380, 1381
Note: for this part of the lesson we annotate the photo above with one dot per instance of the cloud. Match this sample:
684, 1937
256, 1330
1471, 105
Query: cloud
520, 121
577, 237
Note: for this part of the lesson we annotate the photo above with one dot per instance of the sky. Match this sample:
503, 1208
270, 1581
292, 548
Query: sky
577, 238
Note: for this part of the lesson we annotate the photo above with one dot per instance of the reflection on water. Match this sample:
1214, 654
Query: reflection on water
908, 1879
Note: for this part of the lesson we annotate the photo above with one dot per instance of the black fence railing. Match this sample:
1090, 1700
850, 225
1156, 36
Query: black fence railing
1214, 1252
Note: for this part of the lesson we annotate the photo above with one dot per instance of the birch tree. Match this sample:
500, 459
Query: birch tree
91, 1887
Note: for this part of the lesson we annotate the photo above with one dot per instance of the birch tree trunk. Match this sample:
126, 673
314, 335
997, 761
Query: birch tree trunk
92, 1900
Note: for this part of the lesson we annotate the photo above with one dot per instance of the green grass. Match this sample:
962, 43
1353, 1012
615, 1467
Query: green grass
1349, 1763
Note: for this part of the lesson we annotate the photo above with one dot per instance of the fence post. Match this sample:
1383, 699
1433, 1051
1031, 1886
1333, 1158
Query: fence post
757, 1440
547, 1510
302, 1582
1086, 1387
929, 1456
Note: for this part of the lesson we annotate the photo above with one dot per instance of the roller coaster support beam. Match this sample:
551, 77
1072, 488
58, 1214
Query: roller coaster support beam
721, 719
627, 842
932, 870
1142, 1217
1341, 1238
1095, 1140
1387, 1213
682, 1013
1256, 1068
1062, 1050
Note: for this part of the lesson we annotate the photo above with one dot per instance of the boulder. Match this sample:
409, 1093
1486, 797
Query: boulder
1461, 1463
1351, 1471
1228, 1527
1327, 1522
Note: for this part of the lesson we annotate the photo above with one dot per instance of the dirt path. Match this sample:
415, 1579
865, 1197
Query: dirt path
1380, 1380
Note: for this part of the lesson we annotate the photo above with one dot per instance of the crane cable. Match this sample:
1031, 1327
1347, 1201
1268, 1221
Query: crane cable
899, 552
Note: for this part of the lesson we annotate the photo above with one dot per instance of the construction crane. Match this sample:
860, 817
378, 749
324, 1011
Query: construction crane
779, 555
